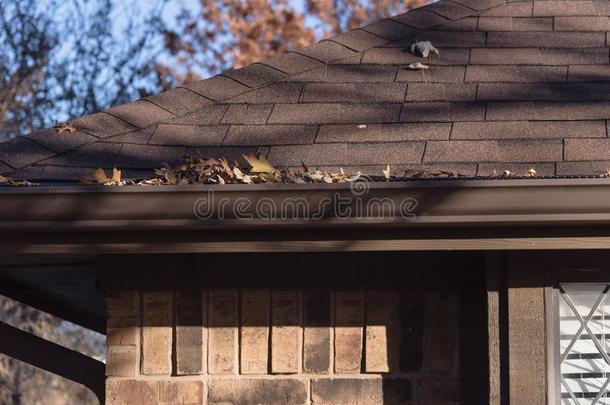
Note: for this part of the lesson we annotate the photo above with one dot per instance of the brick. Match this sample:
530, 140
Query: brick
331, 113
441, 349
548, 110
494, 151
359, 40
380, 336
129, 392
217, 88
587, 149
60, 142
189, 332
438, 390
179, 101
122, 304
254, 335
442, 112
326, 51
283, 92
207, 115
528, 129
401, 56
582, 168
247, 114
255, 75
123, 331
222, 332
546, 39
156, 333
450, 74
141, 113
102, 125
516, 9
188, 135
338, 154
588, 23
420, 19
20, 152
589, 73
352, 391
390, 29
383, 132
519, 169
515, 24
246, 391
411, 332
285, 332
180, 392
148, 156
316, 331
355, 92
292, 63
441, 92
349, 321
122, 361
566, 7
270, 134
442, 308
521, 74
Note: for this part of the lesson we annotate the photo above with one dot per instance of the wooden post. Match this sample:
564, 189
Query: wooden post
53, 358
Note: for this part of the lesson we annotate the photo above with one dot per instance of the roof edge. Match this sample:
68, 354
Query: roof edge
281, 217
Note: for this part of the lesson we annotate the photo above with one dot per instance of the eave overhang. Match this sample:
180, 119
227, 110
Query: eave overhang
363, 216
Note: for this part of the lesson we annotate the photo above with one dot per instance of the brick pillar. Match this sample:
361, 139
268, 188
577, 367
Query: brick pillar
282, 347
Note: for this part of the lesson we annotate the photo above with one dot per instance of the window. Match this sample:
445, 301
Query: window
584, 344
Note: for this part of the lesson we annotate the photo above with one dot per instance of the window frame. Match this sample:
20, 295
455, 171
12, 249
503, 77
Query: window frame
552, 301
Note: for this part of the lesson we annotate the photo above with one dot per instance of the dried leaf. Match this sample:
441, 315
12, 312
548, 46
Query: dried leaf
15, 183
494, 173
99, 177
259, 164
418, 66
423, 49
530, 173
386, 173
62, 127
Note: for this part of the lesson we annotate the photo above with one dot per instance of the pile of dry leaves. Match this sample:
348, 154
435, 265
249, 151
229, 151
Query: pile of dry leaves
257, 170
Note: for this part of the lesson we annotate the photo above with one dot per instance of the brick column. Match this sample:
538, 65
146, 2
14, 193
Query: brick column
281, 347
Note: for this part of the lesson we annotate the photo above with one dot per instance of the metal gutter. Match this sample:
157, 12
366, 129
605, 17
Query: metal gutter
413, 215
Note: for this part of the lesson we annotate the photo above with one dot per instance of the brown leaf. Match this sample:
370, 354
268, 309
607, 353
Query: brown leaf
259, 164
386, 173
62, 127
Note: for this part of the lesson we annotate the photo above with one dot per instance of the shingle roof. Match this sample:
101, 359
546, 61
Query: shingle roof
518, 84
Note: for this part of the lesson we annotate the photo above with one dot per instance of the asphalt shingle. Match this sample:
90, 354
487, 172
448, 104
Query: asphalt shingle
517, 85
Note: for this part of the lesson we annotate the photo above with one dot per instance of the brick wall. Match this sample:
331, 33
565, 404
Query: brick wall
283, 347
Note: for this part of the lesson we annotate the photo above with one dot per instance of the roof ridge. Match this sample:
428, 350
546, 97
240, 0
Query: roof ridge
157, 109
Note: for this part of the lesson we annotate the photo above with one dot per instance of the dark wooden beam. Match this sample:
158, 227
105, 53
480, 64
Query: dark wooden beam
27, 297
53, 358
